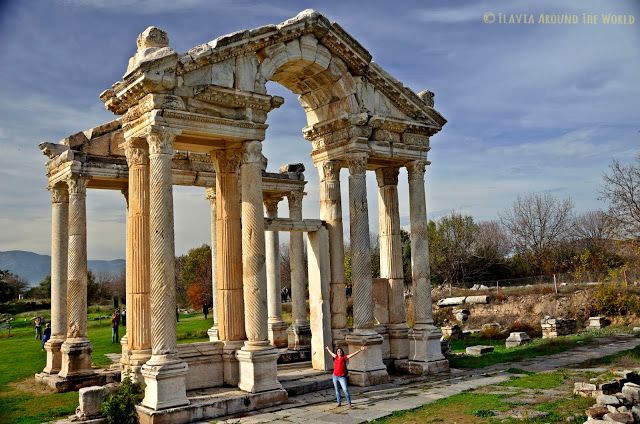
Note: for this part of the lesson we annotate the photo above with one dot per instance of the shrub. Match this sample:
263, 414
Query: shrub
614, 299
120, 406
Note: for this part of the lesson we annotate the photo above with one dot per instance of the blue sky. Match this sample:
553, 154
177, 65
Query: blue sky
531, 107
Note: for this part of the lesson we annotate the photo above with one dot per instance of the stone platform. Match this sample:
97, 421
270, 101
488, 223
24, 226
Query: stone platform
99, 377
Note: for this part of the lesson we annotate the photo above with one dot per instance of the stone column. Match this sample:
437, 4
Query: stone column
164, 373
425, 355
138, 337
59, 254
76, 349
258, 371
213, 332
299, 334
366, 368
331, 213
276, 326
229, 298
391, 261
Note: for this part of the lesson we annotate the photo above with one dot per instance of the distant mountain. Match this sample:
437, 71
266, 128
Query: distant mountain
34, 267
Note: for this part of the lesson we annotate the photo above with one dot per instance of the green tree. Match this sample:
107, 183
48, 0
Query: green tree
11, 286
196, 276
42, 290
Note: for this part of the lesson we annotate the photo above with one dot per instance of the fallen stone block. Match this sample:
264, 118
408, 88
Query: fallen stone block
585, 389
617, 417
597, 412
610, 387
631, 392
607, 400
598, 322
517, 339
478, 350
451, 331
554, 327
90, 399
461, 315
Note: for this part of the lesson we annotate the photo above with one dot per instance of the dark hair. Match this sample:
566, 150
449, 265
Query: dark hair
341, 350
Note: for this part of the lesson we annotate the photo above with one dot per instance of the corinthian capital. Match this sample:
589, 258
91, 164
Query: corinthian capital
77, 186
59, 194
160, 141
357, 164
226, 161
295, 200
211, 194
416, 169
137, 152
271, 205
331, 170
387, 176
252, 152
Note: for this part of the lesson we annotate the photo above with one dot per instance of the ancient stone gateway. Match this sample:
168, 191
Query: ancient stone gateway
198, 118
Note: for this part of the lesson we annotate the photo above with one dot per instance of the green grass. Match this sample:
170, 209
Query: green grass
544, 380
628, 358
25, 402
501, 354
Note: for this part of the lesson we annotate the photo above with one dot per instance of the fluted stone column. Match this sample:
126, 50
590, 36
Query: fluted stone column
164, 373
76, 349
229, 298
299, 334
331, 213
213, 331
59, 254
258, 371
391, 261
425, 355
138, 337
366, 368
276, 326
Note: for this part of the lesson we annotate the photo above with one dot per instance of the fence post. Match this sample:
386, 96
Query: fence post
555, 283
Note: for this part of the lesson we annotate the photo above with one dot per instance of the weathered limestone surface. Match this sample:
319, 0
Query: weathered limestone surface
276, 326
257, 358
299, 334
138, 261
517, 339
319, 298
554, 327
76, 349
164, 373
425, 354
479, 350
59, 256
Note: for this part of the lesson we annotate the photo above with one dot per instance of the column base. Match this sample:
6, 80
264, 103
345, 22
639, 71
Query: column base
164, 376
425, 352
366, 368
299, 336
277, 331
398, 341
135, 360
258, 368
76, 358
230, 365
214, 334
54, 356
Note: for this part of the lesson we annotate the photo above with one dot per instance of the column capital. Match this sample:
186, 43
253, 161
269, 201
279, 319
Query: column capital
252, 151
160, 140
416, 169
136, 152
271, 205
357, 163
295, 200
331, 170
77, 185
211, 194
387, 176
59, 194
227, 160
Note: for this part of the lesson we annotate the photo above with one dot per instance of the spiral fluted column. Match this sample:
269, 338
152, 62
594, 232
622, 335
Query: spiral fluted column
366, 368
59, 256
76, 350
164, 373
331, 213
425, 355
258, 371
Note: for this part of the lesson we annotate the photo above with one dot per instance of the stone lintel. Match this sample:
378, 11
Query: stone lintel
287, 224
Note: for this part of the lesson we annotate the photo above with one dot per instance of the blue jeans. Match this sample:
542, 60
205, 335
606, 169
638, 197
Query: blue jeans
345, 389
114, 335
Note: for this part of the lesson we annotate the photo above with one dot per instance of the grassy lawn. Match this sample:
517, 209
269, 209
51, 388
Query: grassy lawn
501, 354
23, 401
482, 406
